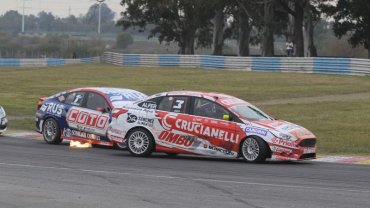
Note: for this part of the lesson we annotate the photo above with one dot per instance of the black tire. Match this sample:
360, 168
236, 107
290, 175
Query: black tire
254, 150
140, 143
51, 132
171, 154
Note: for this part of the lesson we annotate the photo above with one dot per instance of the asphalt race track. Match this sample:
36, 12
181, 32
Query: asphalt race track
34, 174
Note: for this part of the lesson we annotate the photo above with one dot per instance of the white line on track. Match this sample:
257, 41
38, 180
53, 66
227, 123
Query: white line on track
184, 178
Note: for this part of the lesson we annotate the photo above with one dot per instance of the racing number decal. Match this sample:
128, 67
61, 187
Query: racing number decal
78, 99
179, 104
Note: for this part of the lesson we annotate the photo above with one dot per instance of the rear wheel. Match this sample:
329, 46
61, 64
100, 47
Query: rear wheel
140, 143
254, 150
51, 132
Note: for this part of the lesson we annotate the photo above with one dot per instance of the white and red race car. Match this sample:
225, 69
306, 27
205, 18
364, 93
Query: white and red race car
212, 124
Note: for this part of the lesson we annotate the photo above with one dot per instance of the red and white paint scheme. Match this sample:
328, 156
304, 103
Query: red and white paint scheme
212, 124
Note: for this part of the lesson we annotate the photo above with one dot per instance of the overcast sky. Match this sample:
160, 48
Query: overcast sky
60, 8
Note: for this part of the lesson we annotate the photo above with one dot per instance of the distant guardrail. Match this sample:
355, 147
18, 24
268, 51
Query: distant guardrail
45, 62
340, 66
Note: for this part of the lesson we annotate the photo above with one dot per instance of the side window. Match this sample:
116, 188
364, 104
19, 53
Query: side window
150, 104
95, 100
165, 104
207, 108
174, 104
75, 98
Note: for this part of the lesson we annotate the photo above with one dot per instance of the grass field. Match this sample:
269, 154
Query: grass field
341, 124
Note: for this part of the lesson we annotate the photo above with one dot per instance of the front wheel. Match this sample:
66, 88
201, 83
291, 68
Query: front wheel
51, 132
254, 150
140, 143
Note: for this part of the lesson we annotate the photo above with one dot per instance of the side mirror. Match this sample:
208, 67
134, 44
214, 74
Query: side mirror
226, 117
101, 109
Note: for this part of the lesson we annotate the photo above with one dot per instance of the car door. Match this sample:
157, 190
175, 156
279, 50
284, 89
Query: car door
216, 128
89, 115
170, 110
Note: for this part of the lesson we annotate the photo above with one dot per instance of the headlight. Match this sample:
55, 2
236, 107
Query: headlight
2, 112
284, 136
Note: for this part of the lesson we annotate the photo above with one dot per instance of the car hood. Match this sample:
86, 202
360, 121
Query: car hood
286, 127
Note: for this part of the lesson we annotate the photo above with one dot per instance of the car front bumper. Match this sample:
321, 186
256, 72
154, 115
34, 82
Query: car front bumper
3, 124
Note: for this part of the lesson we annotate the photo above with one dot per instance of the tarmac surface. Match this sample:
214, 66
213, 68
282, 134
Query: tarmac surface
34, 174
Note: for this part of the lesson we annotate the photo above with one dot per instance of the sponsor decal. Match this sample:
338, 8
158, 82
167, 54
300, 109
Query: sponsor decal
254, 130
53, 108
145, 121
131, 118
117, 138
148, 105
283, 142
197, 128
281, 150
116, 131
88, 119
167, 120
71, 132
308, 150
177, 139
222, 150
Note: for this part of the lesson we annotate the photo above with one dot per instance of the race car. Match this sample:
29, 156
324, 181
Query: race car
211, 124
3, 120
81, 114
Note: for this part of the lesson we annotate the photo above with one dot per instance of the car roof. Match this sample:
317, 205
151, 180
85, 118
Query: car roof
103, 89
224, 99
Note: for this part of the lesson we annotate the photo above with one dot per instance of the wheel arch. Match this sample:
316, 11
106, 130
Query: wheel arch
269, 153
144, 128
46, 117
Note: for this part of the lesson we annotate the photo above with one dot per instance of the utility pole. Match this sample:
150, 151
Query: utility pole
23, 17
100, 2
23, 9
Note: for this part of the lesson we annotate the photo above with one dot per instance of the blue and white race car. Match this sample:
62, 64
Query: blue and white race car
81, 114
3, 120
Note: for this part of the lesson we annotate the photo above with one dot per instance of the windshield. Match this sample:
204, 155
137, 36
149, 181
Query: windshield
250, 113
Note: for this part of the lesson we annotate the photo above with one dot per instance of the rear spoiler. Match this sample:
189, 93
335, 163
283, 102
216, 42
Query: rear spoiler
40, 101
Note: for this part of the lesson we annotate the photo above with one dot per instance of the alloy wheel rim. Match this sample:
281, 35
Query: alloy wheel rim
50, 130
138, 142
250, 149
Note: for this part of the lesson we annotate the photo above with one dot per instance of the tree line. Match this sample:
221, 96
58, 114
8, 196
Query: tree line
46, 22
49, 36
205, 23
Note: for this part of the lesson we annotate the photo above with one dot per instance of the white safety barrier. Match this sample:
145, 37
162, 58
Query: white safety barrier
340, 66
46, 62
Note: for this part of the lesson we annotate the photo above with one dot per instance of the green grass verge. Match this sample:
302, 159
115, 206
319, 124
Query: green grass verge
340, 126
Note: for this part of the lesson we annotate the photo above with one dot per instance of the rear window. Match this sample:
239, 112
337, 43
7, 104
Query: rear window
118, 96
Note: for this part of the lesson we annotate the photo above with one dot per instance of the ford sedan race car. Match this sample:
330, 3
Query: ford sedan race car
210, 124
81, 114
3, 120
